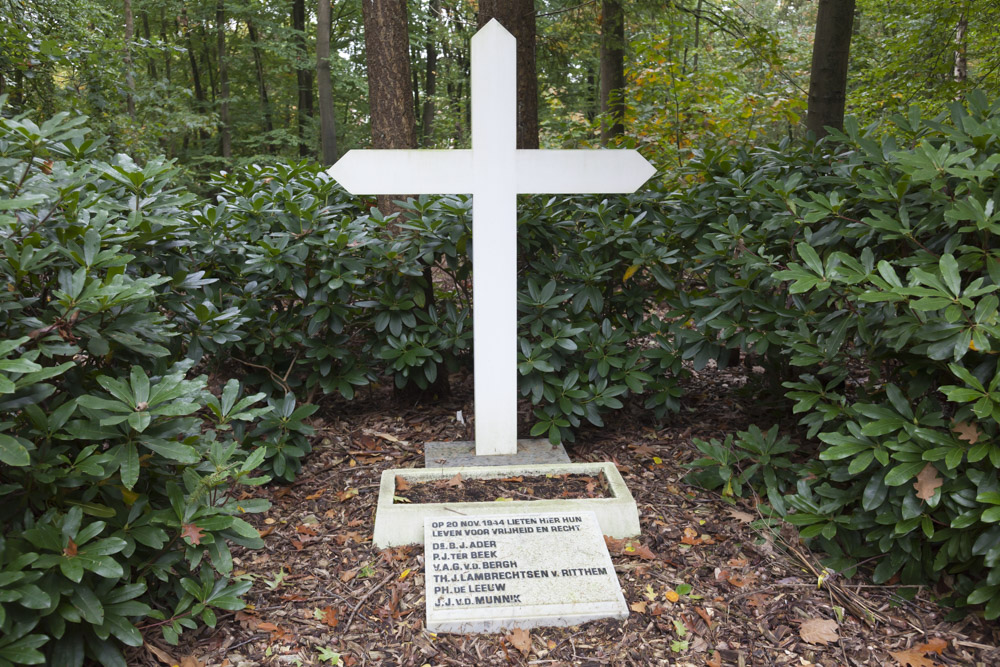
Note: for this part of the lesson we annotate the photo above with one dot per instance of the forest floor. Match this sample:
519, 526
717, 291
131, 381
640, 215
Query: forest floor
704, 586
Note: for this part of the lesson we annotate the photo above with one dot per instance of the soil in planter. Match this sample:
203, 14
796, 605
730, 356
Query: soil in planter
539, 487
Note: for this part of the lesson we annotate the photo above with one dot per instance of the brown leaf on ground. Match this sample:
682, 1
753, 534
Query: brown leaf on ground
347, 575
638, 607
455, 482
968, 432
160, 654
715, 660
513, 479
267, 627
329, 617
644, 552
936, 645
741, 516
819, 631
927, 481
344, 496
402, 484
913, 657
192, 532
520, 639
642, 450
191, 661
314, 496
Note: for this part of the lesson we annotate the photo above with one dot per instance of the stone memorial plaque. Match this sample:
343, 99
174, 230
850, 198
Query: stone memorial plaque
495, 572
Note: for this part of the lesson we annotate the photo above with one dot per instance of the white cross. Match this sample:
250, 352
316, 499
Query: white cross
495, 172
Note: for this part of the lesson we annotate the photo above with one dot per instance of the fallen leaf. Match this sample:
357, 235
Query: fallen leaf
402, 484
715, 660
649, 592
303, 529
388, 436
520, 639
267, 531
672, 596
927, 481
819, 631
192, 532
643, 450
344, 496
913, 657
190, 661
740, 516
638, 607
70, 549
644, 552
348, 575
512, 479
329, 617
936, 645
314, 496
160, 654
456, 483
615, 546
267, 627
967, 432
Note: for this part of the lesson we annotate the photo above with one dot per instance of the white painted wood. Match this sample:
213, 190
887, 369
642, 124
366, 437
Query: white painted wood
494, 171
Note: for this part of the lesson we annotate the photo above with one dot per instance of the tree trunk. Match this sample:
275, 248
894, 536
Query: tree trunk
150, 62
961, 68
828, 74
303, 75
430, 77
612, 70
389, 94
129, 76
225, 139
166, 49
199, 92
518, 17
258, 61
206, 55
324, 86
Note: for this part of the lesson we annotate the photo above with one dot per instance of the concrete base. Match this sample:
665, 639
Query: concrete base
397, 524
462, 453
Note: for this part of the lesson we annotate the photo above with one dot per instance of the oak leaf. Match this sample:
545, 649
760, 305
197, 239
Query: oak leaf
643, 450
967, 432
936, 645
740, 516
520, 639
402, 484
927, 481
456, 481
192, 532
819, 631
913, 657
329, 617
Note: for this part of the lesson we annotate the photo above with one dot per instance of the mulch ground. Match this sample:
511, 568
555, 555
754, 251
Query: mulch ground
522, 487
704, 586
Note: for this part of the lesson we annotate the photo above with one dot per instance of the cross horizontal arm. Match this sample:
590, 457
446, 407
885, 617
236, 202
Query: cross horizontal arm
411, 172
588, 170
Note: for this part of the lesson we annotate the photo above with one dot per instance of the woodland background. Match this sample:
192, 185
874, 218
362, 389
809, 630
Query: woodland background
187, 296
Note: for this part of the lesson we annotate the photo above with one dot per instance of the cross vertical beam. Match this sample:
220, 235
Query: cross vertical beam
495, 172
494, 241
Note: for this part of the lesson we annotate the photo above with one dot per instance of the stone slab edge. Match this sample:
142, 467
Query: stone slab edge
398, 524
462, 453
